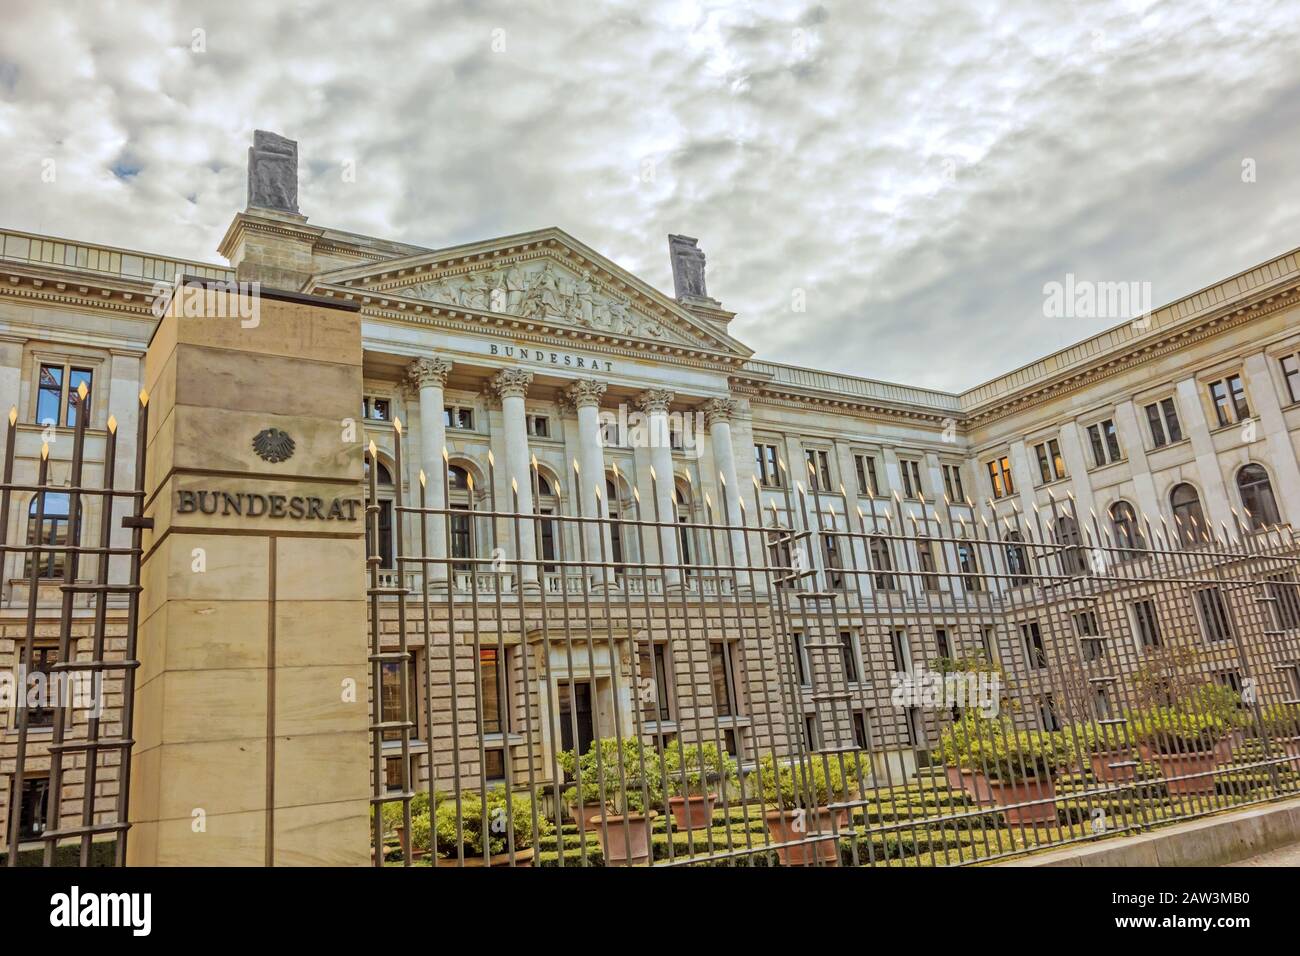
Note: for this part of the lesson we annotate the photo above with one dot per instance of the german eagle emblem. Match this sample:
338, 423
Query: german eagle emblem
273, 445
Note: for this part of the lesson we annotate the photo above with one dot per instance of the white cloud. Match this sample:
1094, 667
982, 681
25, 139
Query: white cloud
920, 171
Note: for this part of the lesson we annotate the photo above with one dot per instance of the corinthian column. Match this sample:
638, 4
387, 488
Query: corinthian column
718, 413
654, 402
510, 385
585, 395
429, 377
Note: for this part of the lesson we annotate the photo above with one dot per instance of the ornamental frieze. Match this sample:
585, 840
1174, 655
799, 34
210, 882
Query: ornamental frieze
543, 292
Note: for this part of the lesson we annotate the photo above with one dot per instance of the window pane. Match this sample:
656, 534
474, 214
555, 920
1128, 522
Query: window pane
490, 691
1172, 425
49, 394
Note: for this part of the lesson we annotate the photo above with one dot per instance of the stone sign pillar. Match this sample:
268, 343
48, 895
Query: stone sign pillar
251, 715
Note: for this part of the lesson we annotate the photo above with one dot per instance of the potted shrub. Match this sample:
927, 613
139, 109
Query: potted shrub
626, 782
694, 774
1110, 751
1184, 743
797, 794
486, 828
998, 765
586, 806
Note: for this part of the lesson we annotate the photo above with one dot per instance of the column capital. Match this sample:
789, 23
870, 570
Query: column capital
719, 410
511, 382
654, 400
585, 392
424, 372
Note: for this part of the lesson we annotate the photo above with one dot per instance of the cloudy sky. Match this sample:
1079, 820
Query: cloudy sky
913, 173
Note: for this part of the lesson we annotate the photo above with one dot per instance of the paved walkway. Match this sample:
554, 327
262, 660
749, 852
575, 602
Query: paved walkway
1287, 856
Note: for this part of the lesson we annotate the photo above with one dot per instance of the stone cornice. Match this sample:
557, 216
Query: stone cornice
83, 290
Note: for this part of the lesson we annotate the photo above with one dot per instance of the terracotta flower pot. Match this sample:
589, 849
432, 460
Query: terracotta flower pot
972, 783
784, 827
588, 813
1102, 769
522, 858
626, 846
693, 812
1180, 764
1224, 748
1002, 795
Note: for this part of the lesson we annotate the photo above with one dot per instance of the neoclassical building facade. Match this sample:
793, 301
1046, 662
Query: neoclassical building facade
531, 373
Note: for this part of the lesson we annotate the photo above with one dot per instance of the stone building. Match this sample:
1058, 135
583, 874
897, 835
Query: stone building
531, 374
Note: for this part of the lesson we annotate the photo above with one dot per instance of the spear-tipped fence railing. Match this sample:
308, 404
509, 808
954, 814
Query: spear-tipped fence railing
834, 681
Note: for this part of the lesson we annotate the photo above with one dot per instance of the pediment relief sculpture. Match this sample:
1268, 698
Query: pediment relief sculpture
544, 292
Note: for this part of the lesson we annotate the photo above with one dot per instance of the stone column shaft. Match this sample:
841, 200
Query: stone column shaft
585, 396
654, 403
718, 414
511, 385
429, 376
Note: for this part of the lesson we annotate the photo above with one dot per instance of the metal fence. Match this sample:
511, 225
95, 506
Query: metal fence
824, 684
68, 753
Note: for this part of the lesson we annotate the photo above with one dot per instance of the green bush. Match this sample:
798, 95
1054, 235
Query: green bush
812, 782
994, 747
693, 770
479, 819
1281, 720
627, 780
1170, 730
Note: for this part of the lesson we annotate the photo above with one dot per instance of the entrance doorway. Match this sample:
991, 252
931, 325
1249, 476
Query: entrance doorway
575, 715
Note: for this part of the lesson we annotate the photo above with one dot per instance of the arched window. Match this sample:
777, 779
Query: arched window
548, 528
1067, 536
620, 542
685, 535
383, 498
52, 533
1257, 497
1188, 517
1017, 559
1124, 525
462, 528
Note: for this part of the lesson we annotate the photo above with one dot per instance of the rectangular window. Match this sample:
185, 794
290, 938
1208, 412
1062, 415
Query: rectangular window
494, 763
1145, 623
1286, 600
1291, 372
1035, 652
391, 697
834, 563
57, 398
882, 563
801, 662
1105, 443
941, 642
376, 409
819, 469
539, 426
1229, 398
911, 477
1051, 466
1047, 713
1089, 633
968, 563
1000, 477
1214, 614
722, 675
902, 653
865, 467
1162, 416
43, 658
34, 805
492, 692
653, 678
952, 483
849, 652
925, 564
861, 730
457, 416
766, 466
988, 642
810, 730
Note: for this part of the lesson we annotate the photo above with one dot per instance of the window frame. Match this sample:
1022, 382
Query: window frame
68, 366
1161, 414
1051, 463
763, 451
1000, 478
1103, 438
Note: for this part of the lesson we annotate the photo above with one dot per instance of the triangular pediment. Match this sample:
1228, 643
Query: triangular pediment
545, 278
